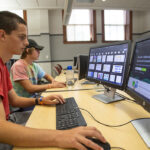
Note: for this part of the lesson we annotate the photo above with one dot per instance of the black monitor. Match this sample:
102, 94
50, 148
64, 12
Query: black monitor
75, 64
82, 66
139, 84
108, 65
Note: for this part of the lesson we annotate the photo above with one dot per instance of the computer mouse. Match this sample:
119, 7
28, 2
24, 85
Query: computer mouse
105, 146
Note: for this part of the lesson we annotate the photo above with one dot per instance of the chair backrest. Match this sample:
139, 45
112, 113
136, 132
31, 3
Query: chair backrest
56, 71
58, 65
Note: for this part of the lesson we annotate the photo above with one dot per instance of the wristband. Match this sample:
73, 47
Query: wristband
36, 101
41, 100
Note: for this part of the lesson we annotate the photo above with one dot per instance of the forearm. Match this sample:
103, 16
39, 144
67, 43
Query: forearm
17, 135
23, 102
18, 101
49, 78
38, 88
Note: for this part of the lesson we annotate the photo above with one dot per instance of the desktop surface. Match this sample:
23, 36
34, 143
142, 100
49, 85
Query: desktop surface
44, 117
78, 85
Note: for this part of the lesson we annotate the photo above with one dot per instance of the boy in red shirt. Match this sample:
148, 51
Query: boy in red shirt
13, 40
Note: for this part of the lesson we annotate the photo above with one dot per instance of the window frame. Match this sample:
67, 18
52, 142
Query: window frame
81, 42
25, 15
127, 27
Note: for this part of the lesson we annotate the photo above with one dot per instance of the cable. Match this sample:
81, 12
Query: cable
110, 125
107, 88
117, 148
126, 98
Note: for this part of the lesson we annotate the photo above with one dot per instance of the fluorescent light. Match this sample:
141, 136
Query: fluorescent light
85, 1
67, 11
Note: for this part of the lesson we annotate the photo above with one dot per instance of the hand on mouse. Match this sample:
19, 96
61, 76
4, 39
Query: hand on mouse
76, 138
53, 99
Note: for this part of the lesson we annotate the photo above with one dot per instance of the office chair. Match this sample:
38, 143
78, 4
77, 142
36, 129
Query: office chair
56, 71
58, 65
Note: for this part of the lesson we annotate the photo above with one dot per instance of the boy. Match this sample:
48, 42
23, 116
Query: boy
13, 40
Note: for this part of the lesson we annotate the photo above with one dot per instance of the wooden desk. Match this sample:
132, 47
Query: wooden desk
112, 114
78, 84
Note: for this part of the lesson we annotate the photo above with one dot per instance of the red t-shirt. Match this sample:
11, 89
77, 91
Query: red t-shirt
5, 86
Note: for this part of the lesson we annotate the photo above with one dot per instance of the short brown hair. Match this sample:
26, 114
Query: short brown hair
9, 21
26, 52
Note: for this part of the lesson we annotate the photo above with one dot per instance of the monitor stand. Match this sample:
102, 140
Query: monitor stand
109, 96
143, 128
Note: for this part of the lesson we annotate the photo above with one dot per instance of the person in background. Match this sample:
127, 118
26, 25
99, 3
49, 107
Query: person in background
13, 40
25, 73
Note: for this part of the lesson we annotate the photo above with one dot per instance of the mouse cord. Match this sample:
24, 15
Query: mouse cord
110, 125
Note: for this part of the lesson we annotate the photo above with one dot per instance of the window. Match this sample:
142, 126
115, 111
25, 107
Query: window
21, 13
81, 27
116, 25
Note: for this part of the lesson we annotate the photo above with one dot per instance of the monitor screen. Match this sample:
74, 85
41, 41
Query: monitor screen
108, 64
138, 85
139, 78
82, 66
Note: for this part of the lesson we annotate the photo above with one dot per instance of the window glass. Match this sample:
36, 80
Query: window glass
79, 16
114, 17
18, 12
81, 26
115, 27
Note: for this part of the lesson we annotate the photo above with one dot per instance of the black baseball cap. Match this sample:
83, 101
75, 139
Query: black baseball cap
33, 44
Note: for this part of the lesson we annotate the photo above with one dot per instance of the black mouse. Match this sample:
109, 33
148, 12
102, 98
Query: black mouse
105, 146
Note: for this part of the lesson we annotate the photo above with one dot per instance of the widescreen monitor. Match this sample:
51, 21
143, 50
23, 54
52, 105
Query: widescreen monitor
109, 65
82, 66
139, 84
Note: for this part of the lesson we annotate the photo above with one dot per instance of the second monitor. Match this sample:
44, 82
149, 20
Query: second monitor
82, 65
108, 65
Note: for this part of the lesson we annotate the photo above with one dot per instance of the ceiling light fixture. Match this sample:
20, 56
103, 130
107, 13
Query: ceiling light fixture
67, 11
85, 1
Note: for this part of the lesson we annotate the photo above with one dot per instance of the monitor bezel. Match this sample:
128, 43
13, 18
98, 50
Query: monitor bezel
139, 98
126, 71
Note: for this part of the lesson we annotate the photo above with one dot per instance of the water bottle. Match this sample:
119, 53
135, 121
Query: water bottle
69, 76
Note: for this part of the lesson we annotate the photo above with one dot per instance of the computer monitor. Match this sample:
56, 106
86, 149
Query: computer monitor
82, 66
108, 65
75, 64
138, 85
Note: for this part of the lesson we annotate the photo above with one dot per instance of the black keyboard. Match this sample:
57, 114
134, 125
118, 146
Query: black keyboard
68, 115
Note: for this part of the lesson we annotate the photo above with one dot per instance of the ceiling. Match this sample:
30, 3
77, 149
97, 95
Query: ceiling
59, 4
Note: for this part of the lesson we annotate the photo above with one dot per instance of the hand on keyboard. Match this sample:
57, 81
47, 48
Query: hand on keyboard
53, 99
76, 138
